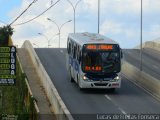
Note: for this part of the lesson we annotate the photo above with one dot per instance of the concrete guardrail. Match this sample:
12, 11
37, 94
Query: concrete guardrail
29, 89
153, 45
141, 78
57, 105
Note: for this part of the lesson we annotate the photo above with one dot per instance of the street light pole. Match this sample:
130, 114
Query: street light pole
141, 37
74, 10
45, 38
98, 14
59, 28
53, 36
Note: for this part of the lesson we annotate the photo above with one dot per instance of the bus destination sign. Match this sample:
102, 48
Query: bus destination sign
8, 65
101, 47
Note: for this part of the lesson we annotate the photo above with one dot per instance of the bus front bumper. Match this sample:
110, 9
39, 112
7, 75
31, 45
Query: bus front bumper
101, 84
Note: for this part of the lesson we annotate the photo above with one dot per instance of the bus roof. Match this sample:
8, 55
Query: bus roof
90, 38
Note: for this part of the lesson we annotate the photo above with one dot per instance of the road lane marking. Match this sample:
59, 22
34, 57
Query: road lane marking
155, 66
110, 99
123, 112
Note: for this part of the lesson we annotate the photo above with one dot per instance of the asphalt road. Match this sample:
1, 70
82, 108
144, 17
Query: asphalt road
150, 60
95, 104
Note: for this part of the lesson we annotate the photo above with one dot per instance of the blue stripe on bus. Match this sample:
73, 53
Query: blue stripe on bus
74, 63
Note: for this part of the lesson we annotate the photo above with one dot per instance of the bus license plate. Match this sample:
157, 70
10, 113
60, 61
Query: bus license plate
107, 78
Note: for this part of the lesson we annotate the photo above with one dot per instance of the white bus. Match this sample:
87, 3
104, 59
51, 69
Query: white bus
93, 61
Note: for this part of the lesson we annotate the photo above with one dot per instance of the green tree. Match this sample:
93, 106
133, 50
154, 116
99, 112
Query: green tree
5, 32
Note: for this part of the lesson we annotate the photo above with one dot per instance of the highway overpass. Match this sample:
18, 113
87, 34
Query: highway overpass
90, 104
130, 99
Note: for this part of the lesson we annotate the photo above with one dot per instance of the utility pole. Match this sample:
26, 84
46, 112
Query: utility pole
141, 36
98, 14
74, 10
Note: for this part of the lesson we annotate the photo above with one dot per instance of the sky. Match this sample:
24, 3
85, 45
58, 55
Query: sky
119, 20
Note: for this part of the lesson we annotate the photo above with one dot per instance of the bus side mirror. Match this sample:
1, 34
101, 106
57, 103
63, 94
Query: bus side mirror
121, 54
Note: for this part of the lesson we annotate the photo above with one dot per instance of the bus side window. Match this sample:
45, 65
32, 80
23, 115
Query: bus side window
67, 44
74, 52
79, 57
71, 48
77, 52
69, 51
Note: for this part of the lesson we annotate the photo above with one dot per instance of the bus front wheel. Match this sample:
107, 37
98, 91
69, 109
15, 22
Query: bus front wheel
70, 76
112, 89
80, 88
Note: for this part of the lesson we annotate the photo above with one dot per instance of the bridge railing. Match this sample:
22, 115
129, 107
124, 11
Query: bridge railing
153, 45
57, 105
31, 108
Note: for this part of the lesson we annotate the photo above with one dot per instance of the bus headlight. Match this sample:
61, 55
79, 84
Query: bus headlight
85, 78
117, 78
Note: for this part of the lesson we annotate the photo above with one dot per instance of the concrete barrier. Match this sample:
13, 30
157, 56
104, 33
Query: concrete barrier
141, 78
153, 45
57, 105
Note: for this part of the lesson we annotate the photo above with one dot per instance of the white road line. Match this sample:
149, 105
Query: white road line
123, 112
108, 97
155, 66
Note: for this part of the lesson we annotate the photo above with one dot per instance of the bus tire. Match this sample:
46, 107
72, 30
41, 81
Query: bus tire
71, 80
112, 89
70, 77
79, 85
81, 89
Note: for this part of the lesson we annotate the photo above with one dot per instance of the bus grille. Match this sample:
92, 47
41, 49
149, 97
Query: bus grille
100, 84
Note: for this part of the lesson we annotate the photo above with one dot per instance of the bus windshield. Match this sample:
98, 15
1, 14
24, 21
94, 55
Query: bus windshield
101, 61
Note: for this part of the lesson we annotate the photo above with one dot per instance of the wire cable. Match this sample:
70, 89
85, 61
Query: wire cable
38, 15
3, 22
23, 11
